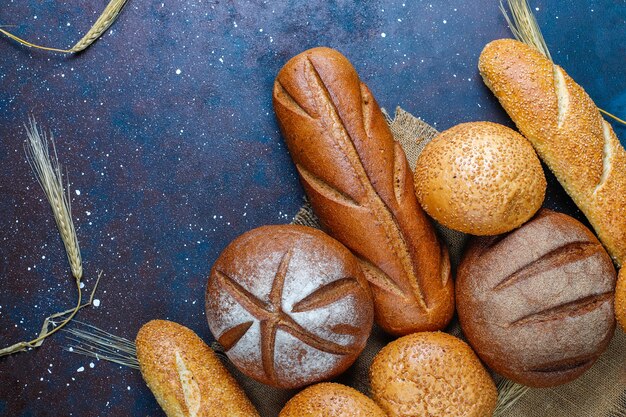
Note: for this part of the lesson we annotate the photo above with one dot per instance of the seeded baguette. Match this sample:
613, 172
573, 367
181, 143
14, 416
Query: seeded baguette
567, 131
185, 376
360, 185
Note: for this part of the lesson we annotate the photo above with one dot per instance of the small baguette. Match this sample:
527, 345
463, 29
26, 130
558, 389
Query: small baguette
567, 131
185, 375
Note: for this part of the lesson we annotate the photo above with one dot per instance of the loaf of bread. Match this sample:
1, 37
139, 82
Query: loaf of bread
289, 304
185, 375
536, 304
431, 374
620, 299
480, 178
568, 132
360, 186
330, 400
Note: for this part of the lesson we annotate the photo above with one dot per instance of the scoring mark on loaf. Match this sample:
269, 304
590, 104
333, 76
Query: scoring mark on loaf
607, 156
191, 390
562, 255
289, 102
326, 190
325, 295
562, 366
562, 95
566, 310
272, 317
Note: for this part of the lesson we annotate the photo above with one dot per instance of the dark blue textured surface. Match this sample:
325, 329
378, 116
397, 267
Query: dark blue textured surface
166, 128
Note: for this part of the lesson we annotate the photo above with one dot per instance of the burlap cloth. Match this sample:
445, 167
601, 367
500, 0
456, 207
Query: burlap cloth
601, 392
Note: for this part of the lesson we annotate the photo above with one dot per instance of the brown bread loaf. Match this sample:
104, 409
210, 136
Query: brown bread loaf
361, 188
620, 299
185, 375
330, 400
289, 304
480, 178
568, 132
431, 374
537, 304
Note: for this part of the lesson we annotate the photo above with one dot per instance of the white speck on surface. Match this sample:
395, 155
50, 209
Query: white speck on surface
445, 21
77, 192
178, 71
91, 365
383, 35
128, 388
96, 303
81, 369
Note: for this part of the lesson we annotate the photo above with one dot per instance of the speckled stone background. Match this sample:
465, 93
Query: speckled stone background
166, 128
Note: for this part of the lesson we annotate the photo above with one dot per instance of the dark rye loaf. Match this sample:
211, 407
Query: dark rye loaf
537, 303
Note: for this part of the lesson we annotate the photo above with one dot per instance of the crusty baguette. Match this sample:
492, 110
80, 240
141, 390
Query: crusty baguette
185, 375
568, 132
360, 186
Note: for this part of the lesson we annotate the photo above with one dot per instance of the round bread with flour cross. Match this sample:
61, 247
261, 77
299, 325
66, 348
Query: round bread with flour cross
289, 304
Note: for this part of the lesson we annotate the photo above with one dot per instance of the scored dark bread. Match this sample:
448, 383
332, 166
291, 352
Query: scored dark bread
360, 186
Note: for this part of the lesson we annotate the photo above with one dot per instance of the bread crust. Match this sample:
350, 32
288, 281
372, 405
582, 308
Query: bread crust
480, 178
568, 132
536, 304
185, 375
360, 185
431, 374
329, 399
289, 304
620, 299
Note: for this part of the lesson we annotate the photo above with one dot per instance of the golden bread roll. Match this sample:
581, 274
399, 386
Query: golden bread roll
185, 376
360, 185
567, 131
480, 178
431, 374
620, 299
331, 400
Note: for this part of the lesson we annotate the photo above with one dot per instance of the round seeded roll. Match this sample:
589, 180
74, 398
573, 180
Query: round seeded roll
289, 304
331, 400
536, 304
431, 374
620, 299
480, 178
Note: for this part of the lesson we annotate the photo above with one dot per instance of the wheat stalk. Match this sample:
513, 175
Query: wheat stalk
48, 173
508, 394
524, 27
103, 22
91, 341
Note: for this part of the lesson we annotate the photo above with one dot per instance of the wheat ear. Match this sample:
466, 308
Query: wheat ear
524, 27
508, 394
49, 175
105, 20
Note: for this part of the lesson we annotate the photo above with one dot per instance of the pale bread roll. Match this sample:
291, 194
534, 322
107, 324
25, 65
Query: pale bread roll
330, 400
185, 376
480, 178
568, 132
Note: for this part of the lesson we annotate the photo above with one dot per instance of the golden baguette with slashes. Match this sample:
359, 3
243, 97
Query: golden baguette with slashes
185, 375
568, 132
